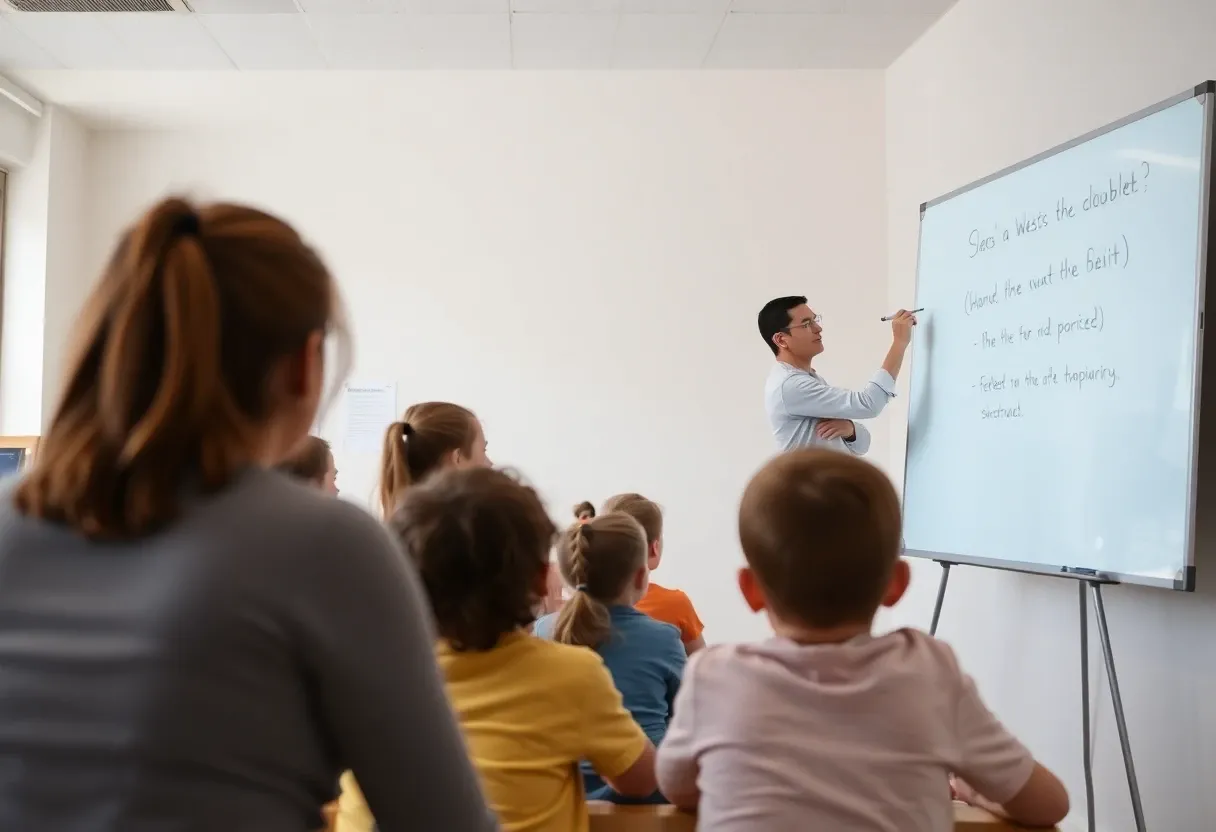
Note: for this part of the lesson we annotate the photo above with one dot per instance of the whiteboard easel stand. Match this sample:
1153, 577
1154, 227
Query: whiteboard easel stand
1094, 587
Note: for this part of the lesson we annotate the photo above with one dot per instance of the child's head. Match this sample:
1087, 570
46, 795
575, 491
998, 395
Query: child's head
481, 540
584, 511
604, 561
649, 517
430, 436
313, 462
821, 533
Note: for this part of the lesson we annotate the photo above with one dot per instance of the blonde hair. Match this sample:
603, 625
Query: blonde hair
415, 447
646, 512
597, 558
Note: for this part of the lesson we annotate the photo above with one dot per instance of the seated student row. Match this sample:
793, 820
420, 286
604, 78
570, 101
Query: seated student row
190, 641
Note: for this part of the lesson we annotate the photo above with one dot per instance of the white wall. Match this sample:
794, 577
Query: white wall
991, 84
580, 259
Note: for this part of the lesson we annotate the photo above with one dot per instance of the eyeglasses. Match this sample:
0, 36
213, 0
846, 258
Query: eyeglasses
818, 319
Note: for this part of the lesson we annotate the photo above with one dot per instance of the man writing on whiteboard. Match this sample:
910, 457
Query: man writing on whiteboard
803, 408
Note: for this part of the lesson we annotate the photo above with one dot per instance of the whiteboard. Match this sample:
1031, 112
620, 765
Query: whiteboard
1055, 380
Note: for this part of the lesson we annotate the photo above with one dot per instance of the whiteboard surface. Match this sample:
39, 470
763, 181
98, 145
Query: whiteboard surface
1053, 389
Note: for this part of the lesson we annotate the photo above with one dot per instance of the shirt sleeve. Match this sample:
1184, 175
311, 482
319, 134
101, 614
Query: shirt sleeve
860, 445
691, 625
610, 740
677, 765
990, 759
807, 395
367, 643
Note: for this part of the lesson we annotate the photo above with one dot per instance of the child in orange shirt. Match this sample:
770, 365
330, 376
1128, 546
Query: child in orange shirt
660, 603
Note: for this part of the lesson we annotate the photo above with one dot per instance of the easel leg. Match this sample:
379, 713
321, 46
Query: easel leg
1117, 702
1085, 733
941, 596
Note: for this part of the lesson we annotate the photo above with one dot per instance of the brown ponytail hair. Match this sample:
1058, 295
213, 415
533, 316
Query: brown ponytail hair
168, 381
597, 558
646, 512
417, 445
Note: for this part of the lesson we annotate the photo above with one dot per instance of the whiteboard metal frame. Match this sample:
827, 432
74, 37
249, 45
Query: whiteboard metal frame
1202, 476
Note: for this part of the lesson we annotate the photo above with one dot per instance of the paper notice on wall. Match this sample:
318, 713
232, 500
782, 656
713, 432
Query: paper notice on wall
370, 408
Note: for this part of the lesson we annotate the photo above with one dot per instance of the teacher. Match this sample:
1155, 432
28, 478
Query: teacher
805, 410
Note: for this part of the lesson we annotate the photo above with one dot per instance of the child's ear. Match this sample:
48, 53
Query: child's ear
641, 578
750, 587
540, 585
901, 576
656, 552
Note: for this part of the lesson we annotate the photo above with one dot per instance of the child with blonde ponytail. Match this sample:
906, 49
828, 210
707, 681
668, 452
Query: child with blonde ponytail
604, 561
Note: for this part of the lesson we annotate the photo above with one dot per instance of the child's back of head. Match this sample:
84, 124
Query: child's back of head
825, 725
530, 709
821, 534
672, 606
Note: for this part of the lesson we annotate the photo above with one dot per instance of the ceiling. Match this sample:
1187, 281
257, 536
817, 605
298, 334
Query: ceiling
256, 35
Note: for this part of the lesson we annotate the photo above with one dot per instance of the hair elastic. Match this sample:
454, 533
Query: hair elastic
581, 588
407, 429
187, 225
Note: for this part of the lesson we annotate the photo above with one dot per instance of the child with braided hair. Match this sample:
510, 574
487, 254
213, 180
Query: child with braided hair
604, 561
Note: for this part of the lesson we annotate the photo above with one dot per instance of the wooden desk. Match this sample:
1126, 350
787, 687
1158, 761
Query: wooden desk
606, 817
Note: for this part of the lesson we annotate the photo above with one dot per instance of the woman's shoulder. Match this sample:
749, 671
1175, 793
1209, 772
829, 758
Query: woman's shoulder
287, 524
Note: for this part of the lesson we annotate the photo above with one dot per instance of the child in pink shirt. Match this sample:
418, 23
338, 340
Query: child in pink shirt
825, 726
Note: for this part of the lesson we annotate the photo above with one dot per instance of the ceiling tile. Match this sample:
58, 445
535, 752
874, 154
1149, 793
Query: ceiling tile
789, 6
897, 6
711, 7
244, 6
265, 41
404, 41
566, 6
814, 41
664, 41
364, 41
352, 6
77, 41
467, 41
167, 41
562, 41
19, 52
456, 6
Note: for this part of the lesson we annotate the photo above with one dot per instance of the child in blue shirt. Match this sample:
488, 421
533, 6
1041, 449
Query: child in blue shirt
604, 561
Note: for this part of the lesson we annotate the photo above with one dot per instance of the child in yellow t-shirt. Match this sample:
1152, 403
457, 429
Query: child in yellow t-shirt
530, 709
671, 606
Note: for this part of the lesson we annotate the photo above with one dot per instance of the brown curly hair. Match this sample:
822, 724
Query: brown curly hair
480, 539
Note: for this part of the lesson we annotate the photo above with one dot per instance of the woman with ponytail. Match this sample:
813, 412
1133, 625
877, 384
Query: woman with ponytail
430, 437
188, 640
604, 561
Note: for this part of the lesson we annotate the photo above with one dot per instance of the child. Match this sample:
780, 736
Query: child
826, 726
584, 511
430, 437
660, 603
530, 709
604, 560
313, 462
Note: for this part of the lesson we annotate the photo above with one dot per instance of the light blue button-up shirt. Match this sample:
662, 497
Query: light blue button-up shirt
796, 401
